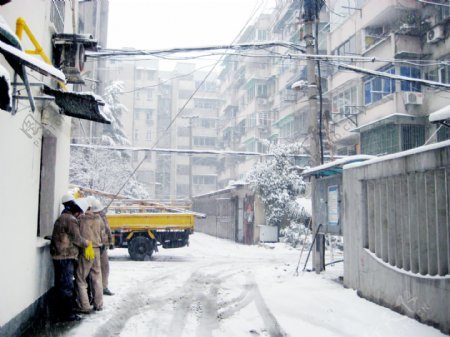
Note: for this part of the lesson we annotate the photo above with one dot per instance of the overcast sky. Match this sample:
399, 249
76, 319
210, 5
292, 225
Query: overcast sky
162, 24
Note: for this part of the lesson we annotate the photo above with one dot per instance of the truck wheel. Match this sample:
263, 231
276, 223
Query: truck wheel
139, 248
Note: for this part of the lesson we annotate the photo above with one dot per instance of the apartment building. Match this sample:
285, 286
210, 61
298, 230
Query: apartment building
162, 114
261, 104
374, 115
139, 78
247, 87
181, 176
361, 113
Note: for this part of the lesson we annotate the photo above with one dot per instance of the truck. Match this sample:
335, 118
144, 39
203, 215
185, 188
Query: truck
142, 233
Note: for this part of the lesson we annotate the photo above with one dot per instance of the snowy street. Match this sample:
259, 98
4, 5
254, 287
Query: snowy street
219, 288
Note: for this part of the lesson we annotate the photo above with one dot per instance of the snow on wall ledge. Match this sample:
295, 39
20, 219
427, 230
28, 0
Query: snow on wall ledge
396, 215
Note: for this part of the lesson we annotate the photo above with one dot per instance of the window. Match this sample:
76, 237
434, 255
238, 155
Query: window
146, 114
183, 169
261, 35
204, 180
287, 130
57, 15
182, 189
207, 86
261, 90
439, 74
183, 132
392, 138
347, 48
208, 123
148, 135
408, 85
443, 134
375, 88
136, 135
149, 95
381, 140
204, 141
250, 93
372, 35
206, 103
182, 94
250, 121
412, 136
345, 101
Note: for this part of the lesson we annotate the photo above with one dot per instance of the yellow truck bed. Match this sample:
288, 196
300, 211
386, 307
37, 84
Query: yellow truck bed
151, 221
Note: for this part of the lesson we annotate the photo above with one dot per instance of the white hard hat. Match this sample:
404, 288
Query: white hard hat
97, 206
66, 198
82, 203
91, 200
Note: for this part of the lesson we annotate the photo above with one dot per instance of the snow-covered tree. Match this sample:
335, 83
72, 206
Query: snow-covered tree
278, 184
107, 170
113, 134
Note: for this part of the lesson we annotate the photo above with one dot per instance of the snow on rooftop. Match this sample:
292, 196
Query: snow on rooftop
381, 119
336, 163
396, 155
440, 115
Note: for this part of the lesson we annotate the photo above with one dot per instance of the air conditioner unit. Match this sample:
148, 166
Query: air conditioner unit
415, 98
69, 54
435, 34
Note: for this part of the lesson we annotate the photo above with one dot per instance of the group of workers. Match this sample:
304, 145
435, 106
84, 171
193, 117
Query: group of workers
80, 240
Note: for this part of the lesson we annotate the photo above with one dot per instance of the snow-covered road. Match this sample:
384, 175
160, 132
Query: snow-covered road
219, 288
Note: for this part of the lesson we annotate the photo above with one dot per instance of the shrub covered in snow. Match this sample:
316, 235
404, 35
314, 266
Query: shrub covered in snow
278, 184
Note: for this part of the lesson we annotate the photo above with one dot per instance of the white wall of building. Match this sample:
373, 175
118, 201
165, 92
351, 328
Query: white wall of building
25, 261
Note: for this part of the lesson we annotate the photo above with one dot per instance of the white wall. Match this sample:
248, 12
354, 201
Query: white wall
24, 257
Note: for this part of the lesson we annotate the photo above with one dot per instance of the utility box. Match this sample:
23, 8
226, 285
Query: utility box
328, 203
268, 233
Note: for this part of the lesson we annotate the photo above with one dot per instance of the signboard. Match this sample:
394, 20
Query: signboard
333, 205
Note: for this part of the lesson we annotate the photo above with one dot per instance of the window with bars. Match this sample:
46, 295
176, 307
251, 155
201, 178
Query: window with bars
392, 138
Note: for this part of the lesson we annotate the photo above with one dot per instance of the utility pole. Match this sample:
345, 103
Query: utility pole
190, 118
310, 14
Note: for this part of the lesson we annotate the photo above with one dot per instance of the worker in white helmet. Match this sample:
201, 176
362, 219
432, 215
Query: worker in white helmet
90, 227
65, 244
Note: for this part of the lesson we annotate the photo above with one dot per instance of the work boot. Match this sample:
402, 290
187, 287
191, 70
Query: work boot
84, 311
108, 292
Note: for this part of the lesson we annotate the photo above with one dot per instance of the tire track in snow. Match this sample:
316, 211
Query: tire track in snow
251, 293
